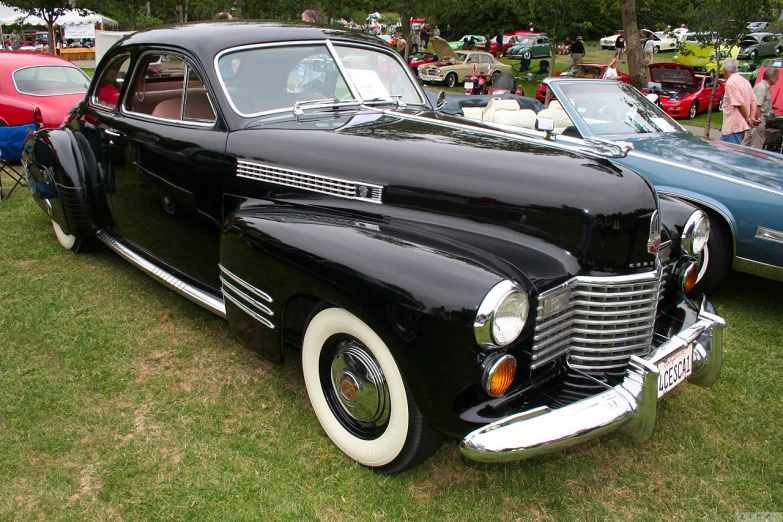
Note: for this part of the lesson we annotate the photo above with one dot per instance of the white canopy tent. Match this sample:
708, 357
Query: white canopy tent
72, 17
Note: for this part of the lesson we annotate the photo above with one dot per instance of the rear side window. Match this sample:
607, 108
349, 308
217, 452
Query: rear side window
49, 80
166, 87
107, 93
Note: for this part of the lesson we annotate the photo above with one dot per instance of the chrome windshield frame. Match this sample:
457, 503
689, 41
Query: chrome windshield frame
584, 128
330, 47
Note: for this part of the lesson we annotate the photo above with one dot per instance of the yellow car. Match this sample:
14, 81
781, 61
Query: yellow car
702, 58
455, 66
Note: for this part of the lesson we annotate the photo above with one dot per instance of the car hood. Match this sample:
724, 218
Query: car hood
672, 74
468, 177
683, 148
442, 49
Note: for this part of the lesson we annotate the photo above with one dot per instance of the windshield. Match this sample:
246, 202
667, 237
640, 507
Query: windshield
583, 71
526, 41
616, 108
274, 79
52, 80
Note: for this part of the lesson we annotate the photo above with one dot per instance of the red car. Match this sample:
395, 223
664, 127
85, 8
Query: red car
38, 88
682, 93
509, 41
776, 90
583, 70
416, 59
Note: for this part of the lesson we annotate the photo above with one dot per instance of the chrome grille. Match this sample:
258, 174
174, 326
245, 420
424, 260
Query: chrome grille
597, 322
342, 188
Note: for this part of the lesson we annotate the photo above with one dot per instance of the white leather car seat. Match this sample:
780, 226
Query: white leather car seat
558, 115
519, 118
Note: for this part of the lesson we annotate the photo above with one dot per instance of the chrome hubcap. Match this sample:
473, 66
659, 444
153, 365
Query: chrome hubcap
359, 384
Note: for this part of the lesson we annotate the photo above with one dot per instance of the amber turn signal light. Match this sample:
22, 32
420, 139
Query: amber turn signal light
499, 375
688, 277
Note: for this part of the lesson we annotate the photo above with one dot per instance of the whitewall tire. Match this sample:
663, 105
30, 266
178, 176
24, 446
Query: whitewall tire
359, 396
66, 240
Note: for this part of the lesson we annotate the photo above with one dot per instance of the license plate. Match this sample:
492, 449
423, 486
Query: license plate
674, 370
468, 85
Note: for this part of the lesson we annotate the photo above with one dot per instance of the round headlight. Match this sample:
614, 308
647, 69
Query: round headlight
696, 233
501, 315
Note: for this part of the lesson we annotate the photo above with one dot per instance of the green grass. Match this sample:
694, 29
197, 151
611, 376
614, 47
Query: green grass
121, 400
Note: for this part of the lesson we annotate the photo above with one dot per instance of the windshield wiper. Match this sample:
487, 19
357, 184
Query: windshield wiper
324, 103
393, 98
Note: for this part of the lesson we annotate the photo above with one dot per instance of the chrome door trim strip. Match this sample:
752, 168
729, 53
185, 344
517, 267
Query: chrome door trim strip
711, 174
209, 301
261, 319
769, 234
228, 286
259, 293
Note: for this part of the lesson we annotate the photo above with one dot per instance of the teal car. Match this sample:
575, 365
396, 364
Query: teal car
530, 47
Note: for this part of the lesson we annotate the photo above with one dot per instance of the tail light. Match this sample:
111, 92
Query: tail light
38, 117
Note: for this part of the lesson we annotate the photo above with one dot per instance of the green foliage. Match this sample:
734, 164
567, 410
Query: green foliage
389, 18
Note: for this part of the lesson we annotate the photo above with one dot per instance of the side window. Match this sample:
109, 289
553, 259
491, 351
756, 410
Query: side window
107, 93
486, 58
473, 58
164, 86
708, 82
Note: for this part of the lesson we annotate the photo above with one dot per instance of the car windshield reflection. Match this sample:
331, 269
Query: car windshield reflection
616, 109
274, 79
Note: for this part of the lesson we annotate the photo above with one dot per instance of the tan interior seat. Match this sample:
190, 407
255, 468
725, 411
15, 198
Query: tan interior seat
519, 118
559, 116
474, 113
169, 109
554, 104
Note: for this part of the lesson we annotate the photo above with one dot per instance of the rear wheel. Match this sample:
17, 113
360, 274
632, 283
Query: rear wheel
495, 76
358, 394
75, 244
720, 104
694, 109
656, 49
451, 79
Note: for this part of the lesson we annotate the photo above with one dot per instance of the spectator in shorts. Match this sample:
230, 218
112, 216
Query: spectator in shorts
619, 47
577, 51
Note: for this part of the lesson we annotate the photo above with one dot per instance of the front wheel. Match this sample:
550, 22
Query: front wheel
694, 110
656, 49
75, 244
527, 55
359, 396
716, 258
451, 79
754, 55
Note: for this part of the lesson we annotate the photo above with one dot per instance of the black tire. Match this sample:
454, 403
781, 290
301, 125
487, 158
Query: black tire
77, 245
779, 51
753, 55
720, 103
694, 110
656, 49
451, 79
717, 255
494, 77
373, 421
527, 55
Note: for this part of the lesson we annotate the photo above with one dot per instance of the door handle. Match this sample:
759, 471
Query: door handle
113, 133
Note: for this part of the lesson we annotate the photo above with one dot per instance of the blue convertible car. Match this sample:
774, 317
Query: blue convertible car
740, 189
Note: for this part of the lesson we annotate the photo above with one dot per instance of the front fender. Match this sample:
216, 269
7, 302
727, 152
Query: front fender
418, 291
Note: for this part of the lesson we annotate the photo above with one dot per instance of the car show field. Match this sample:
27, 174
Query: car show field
278, 272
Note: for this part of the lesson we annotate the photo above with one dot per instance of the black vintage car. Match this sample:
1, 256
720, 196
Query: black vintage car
439, 277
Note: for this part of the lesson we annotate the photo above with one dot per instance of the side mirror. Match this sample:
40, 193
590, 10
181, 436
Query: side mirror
546, 125
441, 100
652, 97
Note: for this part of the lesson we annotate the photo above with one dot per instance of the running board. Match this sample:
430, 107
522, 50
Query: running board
198, 296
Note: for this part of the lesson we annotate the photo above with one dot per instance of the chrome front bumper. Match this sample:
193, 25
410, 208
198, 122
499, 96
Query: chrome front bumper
629, 406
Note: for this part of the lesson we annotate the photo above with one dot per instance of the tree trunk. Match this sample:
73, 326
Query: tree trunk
405, 19
49, 19
637, 67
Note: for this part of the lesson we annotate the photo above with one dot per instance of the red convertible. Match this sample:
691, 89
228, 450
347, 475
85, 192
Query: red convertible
583, 70
38, 88
682, 93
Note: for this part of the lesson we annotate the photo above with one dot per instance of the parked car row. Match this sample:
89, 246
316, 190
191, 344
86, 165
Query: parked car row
482, 268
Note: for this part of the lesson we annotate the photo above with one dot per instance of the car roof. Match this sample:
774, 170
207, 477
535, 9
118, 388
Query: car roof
16, 59
759, 35
209, 38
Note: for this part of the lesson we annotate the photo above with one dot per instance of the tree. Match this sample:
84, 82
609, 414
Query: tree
46, 10
721, 24
637, 66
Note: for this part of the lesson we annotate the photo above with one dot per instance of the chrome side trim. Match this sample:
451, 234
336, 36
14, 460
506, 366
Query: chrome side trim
343, 188
209, 301
758, 269
263, 295
246, 299
698, 170
631, 406
769, 234
261, 319
697, 201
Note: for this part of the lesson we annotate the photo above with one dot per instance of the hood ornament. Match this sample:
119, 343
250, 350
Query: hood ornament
608, 149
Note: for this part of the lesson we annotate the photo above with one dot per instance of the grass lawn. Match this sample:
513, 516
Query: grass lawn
121, 400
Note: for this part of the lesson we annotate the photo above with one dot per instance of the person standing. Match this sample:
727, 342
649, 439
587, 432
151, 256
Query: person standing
649, 50
738, 104
619, 46
425, 37
499, 43
415, 41
611, 70
577, 51
758, 135
15, 38
447, 32
436, 32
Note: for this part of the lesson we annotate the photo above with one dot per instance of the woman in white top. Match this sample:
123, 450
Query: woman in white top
611, 70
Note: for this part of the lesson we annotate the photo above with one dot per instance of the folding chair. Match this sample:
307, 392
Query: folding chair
11, 142
524, 66
543, 69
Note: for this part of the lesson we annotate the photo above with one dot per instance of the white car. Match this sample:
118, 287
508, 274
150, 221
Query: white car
609, 41
663, 41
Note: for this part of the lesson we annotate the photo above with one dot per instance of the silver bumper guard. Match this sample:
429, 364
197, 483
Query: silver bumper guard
630, 406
